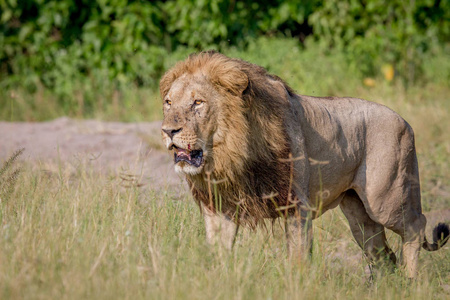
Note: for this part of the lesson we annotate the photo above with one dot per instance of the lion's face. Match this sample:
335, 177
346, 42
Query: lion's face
190, 115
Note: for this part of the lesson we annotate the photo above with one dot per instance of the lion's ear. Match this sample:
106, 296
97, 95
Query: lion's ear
234, 81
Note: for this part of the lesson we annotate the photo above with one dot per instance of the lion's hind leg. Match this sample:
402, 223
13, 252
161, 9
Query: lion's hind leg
412, 237
369, 235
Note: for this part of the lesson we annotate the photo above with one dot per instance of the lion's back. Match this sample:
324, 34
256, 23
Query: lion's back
353, 116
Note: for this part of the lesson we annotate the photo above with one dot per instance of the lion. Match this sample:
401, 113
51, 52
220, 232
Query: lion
251, 148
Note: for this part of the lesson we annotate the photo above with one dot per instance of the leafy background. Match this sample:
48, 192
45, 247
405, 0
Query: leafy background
83, 54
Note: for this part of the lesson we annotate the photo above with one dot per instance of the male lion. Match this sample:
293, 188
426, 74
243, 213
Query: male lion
244, 136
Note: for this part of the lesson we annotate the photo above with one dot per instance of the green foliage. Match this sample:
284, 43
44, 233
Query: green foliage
310, 70
80, 49
221, 23
61, 43
374, 32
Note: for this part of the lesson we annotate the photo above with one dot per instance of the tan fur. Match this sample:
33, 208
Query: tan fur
344, 151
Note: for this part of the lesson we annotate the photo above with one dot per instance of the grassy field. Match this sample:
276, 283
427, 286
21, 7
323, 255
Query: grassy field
84, 236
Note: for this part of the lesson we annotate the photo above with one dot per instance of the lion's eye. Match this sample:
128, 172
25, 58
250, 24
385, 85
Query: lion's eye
198, 102
168, 102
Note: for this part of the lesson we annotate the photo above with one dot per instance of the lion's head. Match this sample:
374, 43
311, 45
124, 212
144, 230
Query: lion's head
201, 96
225, 117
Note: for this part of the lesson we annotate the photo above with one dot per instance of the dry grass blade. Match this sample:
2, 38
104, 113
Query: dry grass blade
8, 177
10, 161
97, 261
129, 180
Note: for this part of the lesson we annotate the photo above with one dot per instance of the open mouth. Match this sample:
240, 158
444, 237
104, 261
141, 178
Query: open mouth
192, 157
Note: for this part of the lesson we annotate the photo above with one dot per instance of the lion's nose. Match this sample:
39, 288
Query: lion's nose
172, 132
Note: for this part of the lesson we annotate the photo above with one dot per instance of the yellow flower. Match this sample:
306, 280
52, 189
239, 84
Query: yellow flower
370, 82
388, 72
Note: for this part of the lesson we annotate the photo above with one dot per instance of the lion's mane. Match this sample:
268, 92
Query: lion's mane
251, 167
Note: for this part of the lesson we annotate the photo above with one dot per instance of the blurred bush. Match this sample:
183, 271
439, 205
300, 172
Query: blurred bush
97, 45
376, 32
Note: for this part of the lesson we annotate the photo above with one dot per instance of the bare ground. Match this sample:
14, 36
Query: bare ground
128, 150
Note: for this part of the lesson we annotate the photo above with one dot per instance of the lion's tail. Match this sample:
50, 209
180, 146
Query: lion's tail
441, 235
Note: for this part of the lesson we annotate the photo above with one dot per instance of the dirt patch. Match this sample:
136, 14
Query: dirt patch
130, 150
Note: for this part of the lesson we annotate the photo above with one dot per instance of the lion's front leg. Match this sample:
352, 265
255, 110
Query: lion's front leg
219, 228
298, 229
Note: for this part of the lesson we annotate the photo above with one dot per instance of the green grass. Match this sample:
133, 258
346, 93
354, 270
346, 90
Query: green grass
128, 105
82, 236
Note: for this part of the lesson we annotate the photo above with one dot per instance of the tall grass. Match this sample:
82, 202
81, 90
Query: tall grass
85, 236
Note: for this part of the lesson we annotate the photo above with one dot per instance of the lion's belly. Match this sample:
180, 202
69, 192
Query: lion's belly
326, 186
326, 197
